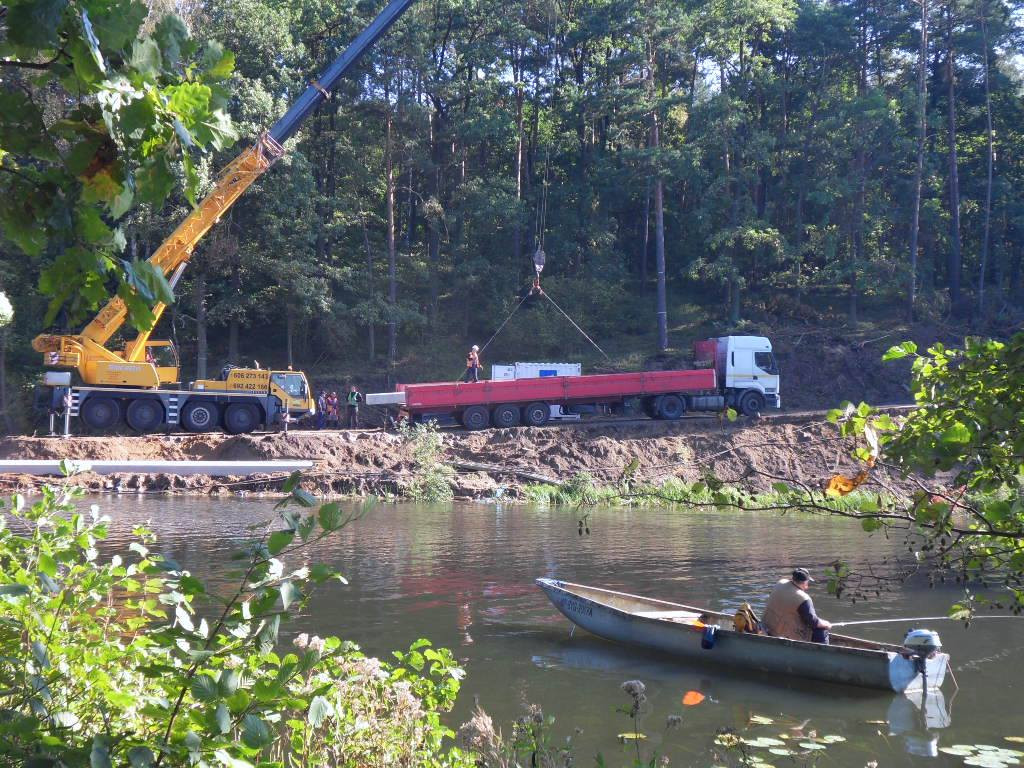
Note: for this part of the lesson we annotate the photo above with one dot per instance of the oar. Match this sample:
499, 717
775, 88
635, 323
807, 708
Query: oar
917, 618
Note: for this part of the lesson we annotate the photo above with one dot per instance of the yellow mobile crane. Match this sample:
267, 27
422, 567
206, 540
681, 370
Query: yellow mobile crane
129, 383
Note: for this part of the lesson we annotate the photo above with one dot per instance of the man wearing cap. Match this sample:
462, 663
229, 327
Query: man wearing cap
790, 611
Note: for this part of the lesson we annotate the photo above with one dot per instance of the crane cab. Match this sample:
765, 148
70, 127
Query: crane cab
290, 387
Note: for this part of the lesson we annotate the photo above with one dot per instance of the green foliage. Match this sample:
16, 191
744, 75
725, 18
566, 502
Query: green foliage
432, 478
968, 425
130, 660
97, 116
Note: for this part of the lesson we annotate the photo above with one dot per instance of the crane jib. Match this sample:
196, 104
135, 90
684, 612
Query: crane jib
317, 92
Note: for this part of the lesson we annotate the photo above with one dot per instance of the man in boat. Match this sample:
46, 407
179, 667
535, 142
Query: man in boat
790, 611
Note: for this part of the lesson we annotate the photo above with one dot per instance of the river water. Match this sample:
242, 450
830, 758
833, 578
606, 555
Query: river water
462, 575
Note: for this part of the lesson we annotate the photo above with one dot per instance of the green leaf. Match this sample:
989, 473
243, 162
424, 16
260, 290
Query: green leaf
304, 498
330, 516
34, 24
900, 351
172, 36
140, 757
47, 564
154, 181
957, 433
255, 732
229, 681
146, 57
292, 482
870, 524
92, 42
223, 718
217, 63
204, 688
319, 709
289, 594
279, 540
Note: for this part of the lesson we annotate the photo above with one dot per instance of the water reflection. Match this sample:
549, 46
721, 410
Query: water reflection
916, 718
463, 574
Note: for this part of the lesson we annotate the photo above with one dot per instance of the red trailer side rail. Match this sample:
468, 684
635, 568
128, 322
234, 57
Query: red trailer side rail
608, 387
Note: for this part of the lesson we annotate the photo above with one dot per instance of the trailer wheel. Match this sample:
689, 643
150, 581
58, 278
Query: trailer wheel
506, 416
752, 403
241, 417
101, 412
200, 416
537, 414
671, 407
145, 414
476, 417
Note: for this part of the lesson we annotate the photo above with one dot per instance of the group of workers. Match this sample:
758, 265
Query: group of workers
328, 409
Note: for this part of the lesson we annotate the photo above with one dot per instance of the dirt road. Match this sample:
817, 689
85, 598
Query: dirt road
750, 454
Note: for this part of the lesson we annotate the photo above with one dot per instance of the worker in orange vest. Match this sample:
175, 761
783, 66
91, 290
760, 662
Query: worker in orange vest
472, 365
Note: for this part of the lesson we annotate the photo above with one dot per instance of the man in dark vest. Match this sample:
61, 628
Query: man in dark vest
355, 397
790, 611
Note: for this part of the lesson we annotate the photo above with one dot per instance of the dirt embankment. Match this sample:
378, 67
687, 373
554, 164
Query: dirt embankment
489, 463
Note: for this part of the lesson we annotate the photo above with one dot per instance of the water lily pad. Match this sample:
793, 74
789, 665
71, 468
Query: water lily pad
832, 739
986, 760
1015, 739
780, 751
763, 742
761, 720
811, 745
631, 736
957, 751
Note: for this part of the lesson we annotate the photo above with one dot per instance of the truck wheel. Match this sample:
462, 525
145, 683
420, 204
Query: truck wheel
671, 407
145, 414
476, 417
241, 417
752, 403
506, 416
101, 412
537, 414
200, 417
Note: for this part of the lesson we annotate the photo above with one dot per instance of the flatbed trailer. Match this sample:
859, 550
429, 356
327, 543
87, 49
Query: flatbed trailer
664, 394
740, 372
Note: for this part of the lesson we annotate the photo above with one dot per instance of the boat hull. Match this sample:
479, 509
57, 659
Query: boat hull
620, 617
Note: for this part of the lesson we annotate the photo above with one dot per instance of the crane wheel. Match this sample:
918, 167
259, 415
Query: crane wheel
241, 417
536, 414
752, 403
101, 412
476, 417
671, 407
145, 414
200, 416
506, 416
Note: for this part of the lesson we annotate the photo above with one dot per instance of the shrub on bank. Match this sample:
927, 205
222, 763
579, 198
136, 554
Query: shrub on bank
130, 660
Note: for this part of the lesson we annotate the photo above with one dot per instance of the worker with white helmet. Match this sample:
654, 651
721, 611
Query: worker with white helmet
472, 365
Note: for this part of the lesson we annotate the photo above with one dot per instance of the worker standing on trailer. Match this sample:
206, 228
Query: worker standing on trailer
472, 365
355, 397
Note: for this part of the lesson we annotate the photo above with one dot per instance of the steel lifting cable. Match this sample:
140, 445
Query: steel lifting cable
505, 322
584, 333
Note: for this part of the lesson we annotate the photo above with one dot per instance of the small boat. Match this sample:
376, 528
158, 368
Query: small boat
685, 632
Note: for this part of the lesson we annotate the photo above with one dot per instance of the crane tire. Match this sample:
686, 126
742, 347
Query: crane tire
536, 414
752, 403
506, 416
200, 416
476, 417
101, 412
671, 407
241, 417
145, 414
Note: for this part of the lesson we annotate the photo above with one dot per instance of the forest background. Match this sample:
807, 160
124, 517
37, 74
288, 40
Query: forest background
775, 166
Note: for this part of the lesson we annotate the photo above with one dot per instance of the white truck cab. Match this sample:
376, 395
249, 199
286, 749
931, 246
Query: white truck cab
747, 373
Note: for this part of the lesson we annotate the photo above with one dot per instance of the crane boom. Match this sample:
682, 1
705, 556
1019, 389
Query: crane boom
87, 351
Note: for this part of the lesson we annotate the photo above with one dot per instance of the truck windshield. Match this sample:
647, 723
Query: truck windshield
292, 383
766, 362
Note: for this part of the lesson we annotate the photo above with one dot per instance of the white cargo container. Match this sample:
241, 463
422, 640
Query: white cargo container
540, 371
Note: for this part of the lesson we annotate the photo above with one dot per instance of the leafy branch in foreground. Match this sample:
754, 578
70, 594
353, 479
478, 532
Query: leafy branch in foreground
134, 661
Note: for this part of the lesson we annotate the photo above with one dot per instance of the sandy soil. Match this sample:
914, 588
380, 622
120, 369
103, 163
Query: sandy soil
751, 454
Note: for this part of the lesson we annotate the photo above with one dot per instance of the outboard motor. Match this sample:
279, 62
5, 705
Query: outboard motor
921, 645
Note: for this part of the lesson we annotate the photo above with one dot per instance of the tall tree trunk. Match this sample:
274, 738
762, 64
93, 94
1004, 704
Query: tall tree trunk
647, 234
289, 334
990, 161
659, 241
236, 291
199, 307
5, 412
953, 265
371, 290
517, 234
389, 204
922, 135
